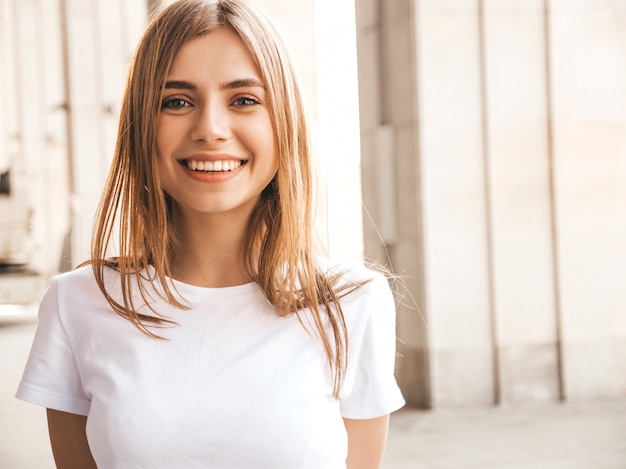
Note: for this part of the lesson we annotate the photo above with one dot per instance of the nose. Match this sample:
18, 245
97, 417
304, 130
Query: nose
211, 124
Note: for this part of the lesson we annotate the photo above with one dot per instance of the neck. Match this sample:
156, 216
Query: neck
212, 251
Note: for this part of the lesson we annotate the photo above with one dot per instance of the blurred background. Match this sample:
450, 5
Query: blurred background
475, 147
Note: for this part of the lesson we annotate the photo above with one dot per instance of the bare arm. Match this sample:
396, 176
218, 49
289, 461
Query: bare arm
69, 440
366, 442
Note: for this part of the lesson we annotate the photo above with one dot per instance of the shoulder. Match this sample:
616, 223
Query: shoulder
356, 282
82, 279
78, 290
348, 270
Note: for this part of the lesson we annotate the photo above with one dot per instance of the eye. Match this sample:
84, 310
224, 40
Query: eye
246, 101
175, 103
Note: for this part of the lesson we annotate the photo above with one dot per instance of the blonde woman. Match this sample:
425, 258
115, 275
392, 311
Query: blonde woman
216, 337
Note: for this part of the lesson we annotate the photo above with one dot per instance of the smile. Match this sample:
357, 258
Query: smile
213, 166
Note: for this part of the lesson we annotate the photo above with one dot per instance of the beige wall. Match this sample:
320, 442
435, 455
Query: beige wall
101, 36
66, 64
510, 153
32, 122
589, 107
392, 175
520, 200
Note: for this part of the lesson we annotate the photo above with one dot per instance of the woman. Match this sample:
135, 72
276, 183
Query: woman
234, 345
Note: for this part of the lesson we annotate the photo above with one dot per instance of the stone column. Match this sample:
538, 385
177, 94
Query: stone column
588, 66
518, 170
392, 175
99, 36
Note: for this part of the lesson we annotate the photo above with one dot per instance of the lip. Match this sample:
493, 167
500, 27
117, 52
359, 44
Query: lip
211, 177
212, 157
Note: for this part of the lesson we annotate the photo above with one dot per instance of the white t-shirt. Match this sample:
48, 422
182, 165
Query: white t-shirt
233, 385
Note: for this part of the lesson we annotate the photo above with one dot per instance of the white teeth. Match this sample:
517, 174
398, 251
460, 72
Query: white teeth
213, 166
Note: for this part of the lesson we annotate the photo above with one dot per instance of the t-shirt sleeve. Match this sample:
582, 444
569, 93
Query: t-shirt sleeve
371, 389
51, 377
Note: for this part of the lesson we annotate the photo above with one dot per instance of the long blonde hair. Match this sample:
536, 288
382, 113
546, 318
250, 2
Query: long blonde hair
280, 247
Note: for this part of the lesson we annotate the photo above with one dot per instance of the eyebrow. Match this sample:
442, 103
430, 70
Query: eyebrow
243, 83
180, 85
238, 83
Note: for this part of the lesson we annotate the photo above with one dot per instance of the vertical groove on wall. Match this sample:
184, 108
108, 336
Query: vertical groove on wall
493, 324
385, 113
69, 121
17, 64
42, 78
553, 205
421, 296
98, 31
4, 80
45, 137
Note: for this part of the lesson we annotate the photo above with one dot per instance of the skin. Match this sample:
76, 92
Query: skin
69, 440
366, 442
214, 109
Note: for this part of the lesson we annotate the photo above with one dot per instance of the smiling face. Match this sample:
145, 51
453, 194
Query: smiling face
216, 148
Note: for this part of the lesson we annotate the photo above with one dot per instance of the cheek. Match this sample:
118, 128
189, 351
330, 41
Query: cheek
164, 147
169, 131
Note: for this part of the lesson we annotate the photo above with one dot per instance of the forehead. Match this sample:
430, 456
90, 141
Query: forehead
218, 54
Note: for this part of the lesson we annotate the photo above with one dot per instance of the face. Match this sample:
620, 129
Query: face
215, 140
